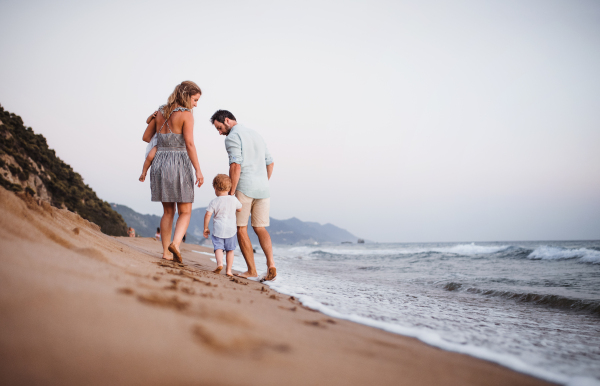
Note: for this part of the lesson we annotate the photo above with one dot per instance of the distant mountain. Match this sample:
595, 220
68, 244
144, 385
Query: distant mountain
28, 165
291, 231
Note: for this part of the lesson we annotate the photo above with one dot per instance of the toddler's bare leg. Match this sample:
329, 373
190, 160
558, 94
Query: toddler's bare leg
219, 257
147, 163
229, 257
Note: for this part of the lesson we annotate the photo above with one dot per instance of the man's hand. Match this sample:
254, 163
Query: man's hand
206, 233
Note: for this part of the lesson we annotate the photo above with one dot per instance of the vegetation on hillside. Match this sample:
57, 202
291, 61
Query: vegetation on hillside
65, 187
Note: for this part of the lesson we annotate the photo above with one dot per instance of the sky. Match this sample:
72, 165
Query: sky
400, 121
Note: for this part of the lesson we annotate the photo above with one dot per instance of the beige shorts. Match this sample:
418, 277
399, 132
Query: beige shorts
257, 207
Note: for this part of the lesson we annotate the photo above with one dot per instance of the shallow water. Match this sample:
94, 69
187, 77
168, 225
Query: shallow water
531, 306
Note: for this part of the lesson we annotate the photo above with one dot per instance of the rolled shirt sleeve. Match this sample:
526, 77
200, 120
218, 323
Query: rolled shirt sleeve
268, 157
233, 144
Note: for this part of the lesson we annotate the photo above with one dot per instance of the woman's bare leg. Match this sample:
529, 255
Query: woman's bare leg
166, 224
185, 213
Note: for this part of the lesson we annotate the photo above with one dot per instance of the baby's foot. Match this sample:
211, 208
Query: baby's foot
218, 270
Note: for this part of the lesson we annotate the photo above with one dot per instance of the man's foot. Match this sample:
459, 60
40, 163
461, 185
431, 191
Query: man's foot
271, 274
218, 270
247, 275
176, 253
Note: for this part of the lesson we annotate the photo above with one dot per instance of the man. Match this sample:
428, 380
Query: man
250, 168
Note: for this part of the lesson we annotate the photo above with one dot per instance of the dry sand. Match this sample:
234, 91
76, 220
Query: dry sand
78, 307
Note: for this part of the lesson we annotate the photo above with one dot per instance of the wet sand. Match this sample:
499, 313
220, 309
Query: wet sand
78, 307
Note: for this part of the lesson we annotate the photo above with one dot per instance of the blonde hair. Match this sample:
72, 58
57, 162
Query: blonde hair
181, 96
222, 183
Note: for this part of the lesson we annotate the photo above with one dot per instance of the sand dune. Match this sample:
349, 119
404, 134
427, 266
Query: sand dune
78, 307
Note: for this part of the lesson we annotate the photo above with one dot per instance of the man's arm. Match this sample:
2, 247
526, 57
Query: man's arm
270, 169
234, 173
233, 144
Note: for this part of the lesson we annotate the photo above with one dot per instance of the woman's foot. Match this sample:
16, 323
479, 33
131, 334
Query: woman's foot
218, 270
167, 257
176, 254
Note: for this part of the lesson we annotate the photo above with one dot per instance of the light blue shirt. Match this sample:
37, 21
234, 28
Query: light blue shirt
248, 149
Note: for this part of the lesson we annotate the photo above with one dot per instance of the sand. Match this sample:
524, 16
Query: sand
78, 307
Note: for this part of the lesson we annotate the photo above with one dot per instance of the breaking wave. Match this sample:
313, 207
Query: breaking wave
585, 255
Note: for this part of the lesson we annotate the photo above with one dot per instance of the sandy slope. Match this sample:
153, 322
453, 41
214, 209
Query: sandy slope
81, 308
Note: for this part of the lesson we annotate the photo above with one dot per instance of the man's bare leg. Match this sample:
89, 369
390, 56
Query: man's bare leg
166, 224
265, 243
247, 252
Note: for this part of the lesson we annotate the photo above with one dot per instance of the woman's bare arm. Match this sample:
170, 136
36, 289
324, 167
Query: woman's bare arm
188, 137
150, 131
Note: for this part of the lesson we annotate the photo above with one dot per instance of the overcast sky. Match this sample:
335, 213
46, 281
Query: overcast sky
396, 120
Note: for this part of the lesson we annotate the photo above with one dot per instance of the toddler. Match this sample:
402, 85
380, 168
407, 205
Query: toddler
224, 235
150, 150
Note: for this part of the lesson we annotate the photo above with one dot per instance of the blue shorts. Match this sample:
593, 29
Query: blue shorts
225, 244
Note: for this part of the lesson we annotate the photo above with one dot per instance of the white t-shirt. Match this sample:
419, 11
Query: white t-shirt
224, 208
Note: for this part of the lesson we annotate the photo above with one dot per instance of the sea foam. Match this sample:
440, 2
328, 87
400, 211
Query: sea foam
434, 339
546, 252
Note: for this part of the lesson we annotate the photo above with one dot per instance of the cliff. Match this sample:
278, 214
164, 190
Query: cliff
28, 164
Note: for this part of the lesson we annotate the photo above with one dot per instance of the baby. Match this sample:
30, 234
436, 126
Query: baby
225, 228
150, 150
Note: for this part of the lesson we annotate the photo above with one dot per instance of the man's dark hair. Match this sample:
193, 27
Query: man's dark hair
220, 116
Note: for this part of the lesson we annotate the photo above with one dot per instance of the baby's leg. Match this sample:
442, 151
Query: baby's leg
219, 257
147, 163
229, 257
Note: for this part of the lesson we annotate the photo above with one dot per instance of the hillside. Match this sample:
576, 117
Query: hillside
291, 231
28, 164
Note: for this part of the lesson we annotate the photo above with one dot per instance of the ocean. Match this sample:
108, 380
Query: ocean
530, 306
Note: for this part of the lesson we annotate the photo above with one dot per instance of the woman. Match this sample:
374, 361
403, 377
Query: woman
171, 178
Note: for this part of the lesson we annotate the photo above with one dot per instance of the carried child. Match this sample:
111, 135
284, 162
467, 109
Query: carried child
224, 235
150, 150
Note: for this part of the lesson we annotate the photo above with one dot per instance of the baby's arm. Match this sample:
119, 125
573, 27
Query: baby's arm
147, 163
151, 117
206, 221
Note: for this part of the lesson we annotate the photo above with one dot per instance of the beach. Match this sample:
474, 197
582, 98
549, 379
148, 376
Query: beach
80, 307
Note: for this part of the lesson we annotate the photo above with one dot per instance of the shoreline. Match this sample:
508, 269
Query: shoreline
80, 307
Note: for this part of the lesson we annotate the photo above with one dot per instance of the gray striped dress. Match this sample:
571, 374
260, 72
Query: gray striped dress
172, 176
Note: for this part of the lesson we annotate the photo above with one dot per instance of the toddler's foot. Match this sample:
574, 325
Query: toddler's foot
218, 270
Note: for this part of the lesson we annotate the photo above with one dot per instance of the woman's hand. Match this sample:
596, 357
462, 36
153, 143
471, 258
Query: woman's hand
199, 178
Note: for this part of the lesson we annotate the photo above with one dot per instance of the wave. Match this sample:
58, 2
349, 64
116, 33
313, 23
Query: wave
472, 249
546, 252
461, 249
433, 338
554, 301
